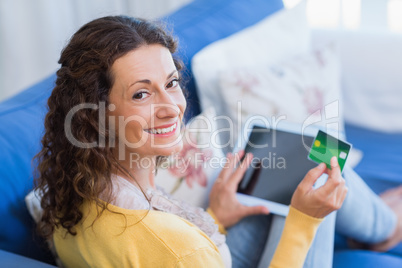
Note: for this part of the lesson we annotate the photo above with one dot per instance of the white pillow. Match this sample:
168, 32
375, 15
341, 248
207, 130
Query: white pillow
371, 77
190, 175
304, 89
32, 201
275, 38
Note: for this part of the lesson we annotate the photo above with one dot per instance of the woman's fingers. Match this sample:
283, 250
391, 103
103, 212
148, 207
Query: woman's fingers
241, 169
227, 168
334, 189
246, 211
335, 171
334, 179
223, 200
230, 164
327, 198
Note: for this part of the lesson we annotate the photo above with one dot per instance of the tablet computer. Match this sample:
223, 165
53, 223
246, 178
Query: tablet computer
279, 163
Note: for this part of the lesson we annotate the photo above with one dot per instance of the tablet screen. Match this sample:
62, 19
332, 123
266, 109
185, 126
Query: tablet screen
279, 164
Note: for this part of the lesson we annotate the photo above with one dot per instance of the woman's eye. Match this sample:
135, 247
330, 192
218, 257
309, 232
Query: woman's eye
173, 83
139, 95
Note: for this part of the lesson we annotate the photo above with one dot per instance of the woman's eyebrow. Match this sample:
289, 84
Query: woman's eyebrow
147, 81
171, 74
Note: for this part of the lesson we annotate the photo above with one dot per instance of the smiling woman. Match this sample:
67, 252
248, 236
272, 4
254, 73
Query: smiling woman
86, 77
102, 211
147, 95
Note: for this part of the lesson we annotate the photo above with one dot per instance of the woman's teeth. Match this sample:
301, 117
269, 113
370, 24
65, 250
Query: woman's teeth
161, 130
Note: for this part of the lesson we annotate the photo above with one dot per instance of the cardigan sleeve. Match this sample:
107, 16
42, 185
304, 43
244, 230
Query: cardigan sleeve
222, 229
296, 239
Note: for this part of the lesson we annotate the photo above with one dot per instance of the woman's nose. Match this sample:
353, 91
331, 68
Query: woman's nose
166, 107
164, 110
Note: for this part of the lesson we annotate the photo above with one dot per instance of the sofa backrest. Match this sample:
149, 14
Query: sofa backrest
21, 127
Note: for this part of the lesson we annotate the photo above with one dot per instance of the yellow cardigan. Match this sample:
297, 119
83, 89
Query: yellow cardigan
141, 238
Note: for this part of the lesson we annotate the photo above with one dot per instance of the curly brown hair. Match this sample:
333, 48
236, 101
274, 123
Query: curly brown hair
68, 174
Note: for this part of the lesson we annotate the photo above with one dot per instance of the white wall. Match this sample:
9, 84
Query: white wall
33, 32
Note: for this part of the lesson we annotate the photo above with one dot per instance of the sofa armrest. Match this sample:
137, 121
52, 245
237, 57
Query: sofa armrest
9, 259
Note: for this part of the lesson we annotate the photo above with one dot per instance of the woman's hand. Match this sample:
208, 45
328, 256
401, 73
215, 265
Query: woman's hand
222, 198
320, 202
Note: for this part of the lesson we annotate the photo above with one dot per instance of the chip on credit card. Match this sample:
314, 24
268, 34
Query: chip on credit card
325, 146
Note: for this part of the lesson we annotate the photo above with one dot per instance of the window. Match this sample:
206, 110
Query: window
369, 15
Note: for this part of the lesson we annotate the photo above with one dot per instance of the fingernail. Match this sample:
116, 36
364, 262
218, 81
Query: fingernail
322, 165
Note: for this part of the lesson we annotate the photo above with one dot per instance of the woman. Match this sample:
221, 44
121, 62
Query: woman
117, 95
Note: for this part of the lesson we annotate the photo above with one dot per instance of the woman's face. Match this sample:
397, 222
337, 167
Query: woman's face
147, 103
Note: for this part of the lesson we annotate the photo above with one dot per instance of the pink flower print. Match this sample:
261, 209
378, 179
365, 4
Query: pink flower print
246, 80
313, 99
320, 58
188, 165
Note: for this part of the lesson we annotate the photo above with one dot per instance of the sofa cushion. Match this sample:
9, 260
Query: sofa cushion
304, 89
363, 258
21, 127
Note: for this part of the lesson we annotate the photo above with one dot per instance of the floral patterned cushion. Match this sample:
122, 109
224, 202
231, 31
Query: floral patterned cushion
189, 175
304, 89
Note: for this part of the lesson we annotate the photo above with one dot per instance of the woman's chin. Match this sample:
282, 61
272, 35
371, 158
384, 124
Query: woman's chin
171, 150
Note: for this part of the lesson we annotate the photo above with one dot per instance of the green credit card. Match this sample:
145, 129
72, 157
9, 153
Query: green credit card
325, 146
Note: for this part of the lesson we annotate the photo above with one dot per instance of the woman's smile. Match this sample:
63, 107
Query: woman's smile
163, 131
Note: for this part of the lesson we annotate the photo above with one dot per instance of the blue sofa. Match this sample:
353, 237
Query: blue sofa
196, 25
